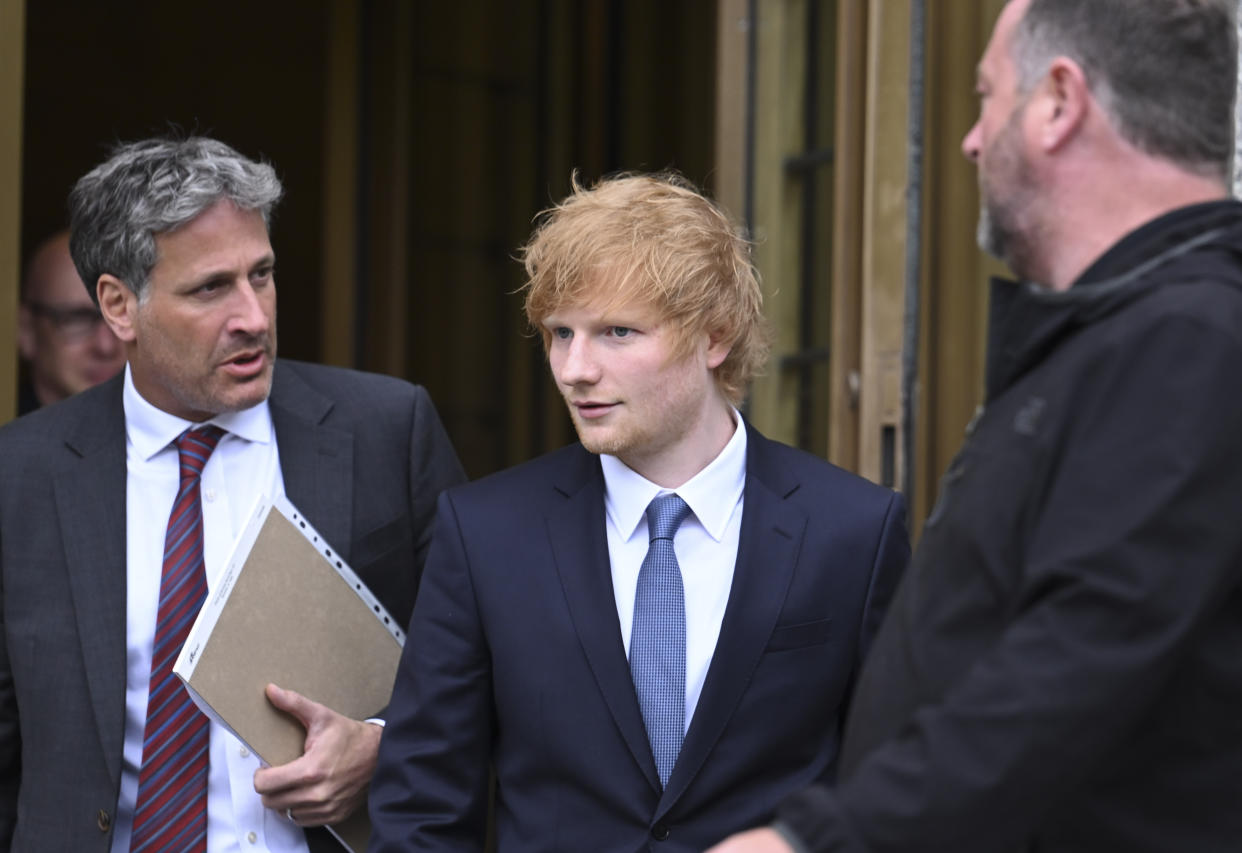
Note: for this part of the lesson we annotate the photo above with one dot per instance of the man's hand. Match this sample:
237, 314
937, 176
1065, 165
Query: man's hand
755, 841
330, 780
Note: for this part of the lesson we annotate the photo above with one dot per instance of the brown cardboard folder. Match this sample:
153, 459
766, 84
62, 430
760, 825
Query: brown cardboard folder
287, 610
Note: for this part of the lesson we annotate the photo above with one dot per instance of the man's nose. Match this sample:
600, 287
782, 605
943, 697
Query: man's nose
249, 314
971, 144
579, 365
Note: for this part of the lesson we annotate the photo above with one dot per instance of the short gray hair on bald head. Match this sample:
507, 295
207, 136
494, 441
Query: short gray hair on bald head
1164, 71
151, 187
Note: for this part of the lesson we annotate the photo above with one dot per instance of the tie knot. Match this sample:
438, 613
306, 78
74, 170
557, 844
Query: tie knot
194, 446
664, 515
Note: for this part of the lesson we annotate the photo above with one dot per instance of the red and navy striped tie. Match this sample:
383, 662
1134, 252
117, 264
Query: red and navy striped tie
171, 814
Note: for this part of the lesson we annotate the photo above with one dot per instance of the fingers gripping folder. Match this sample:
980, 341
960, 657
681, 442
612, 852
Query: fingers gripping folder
286, 609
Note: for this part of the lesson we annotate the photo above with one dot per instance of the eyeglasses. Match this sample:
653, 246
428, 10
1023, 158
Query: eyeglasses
70, 323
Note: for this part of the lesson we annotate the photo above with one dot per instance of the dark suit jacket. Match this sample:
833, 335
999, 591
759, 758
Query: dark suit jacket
515, 660
363, 456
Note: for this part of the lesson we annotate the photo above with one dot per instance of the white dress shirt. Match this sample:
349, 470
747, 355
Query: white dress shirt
705, 544
244, 465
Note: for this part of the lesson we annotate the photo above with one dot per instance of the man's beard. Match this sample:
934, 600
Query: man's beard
991, 235
1007, 201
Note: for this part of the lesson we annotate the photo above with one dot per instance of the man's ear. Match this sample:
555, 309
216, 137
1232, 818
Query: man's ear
1065, 100
25, 332
717, 350
118, 305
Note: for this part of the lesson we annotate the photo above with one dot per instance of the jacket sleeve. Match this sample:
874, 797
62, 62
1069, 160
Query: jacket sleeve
1133, 545
430, 789
434, 467
891, 557
10, 739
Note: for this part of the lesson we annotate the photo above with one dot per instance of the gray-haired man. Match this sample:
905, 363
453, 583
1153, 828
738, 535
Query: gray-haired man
1059, 671
117, 506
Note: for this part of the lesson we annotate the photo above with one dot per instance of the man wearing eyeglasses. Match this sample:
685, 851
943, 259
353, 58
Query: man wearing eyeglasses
60, 333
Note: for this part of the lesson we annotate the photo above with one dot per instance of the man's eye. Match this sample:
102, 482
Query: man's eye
562, 333
621, 331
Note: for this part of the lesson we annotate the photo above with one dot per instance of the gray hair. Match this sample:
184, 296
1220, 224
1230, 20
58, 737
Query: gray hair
151, 187
1164, 71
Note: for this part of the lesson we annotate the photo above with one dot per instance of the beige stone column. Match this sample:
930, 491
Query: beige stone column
12, 66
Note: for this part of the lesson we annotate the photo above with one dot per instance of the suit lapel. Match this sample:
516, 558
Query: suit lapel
768, 546
90, 504
580, 549
316, 461
316, 465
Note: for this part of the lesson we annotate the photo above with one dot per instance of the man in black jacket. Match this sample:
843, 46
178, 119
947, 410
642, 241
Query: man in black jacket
1060, 669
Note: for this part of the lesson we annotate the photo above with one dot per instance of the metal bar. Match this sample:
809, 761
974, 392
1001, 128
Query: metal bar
806, 277
752, 89
1237, 118
805, 357
808, 161
748, 151
914, 246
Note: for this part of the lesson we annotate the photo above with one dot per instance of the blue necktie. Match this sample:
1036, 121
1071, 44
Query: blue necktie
658, 636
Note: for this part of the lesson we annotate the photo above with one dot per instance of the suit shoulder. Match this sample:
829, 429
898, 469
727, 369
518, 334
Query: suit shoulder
817, 478
40, 444
562, 471
355, 399
347, 383
50, 424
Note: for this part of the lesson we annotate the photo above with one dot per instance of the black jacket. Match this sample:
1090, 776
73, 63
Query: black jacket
1061, 669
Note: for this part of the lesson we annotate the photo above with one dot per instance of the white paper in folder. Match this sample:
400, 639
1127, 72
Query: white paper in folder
288, 610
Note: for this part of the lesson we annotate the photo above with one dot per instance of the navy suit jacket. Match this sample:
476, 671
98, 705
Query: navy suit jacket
515, 664
362, 456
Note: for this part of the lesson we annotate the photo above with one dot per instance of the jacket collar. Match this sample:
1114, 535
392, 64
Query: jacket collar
90, 505
1027, 321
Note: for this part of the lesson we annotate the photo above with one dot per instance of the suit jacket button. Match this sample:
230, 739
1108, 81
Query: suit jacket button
660, 831
103, 820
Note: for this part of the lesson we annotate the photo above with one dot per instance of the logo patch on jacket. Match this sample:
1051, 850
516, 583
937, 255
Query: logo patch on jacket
1026, 421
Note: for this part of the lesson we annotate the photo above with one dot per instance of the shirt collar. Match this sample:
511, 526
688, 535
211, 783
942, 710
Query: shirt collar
712, 494
151, 429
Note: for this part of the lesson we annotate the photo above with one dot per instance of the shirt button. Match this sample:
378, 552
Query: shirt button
251, 837
660, 831
209, 495
243, 752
